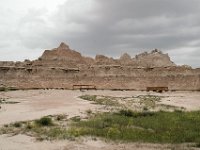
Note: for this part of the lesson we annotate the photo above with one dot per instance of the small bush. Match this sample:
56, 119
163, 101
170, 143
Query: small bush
6, 126
2, 89
29, 126
44, 121
127, 113
89, 111
60, 117
130, 113
17, 124
76, 118
145, 109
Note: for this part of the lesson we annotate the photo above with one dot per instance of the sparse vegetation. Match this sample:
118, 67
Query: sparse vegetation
76, 118
4, 89
148, 101
139, 103
124, 125
157, 127
43, 129
170, 107
101, 100
89, 97
4, 101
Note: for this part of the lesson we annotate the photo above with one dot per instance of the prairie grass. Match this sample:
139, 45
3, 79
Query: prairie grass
124, 125
152, 127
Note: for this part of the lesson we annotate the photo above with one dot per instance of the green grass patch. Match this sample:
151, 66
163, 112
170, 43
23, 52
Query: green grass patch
125, 125
156, 127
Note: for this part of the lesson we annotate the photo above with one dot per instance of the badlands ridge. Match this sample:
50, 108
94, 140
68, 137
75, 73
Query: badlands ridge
63, 68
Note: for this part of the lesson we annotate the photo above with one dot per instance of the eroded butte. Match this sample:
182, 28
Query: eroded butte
63, 68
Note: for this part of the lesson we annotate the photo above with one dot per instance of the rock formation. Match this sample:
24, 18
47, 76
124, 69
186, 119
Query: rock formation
63, 67
154, 59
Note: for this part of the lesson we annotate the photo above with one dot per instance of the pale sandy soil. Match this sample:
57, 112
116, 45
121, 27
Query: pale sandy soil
23, 142
37, 103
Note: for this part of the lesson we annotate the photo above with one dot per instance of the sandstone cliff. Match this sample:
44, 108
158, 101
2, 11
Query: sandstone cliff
63, 67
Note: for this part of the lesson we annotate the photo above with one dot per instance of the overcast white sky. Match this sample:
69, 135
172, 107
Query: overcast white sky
110, 27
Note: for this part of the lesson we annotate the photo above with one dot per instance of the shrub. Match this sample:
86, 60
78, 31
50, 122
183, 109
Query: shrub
60, 117
17, 124
145, 109
89, 111
130, 113
2, 89
198, 145
89, 97
44, 121
127, 113
29, 126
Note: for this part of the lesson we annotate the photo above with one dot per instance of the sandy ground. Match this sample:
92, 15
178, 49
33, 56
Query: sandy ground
23, 142
37, 103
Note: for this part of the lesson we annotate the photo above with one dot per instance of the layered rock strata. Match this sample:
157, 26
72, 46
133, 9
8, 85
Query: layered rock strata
62, 68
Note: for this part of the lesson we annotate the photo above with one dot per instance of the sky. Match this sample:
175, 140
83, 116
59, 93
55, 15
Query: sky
108, 27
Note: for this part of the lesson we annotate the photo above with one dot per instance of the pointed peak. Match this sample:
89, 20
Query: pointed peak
156, 51
63, 46
125, 56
